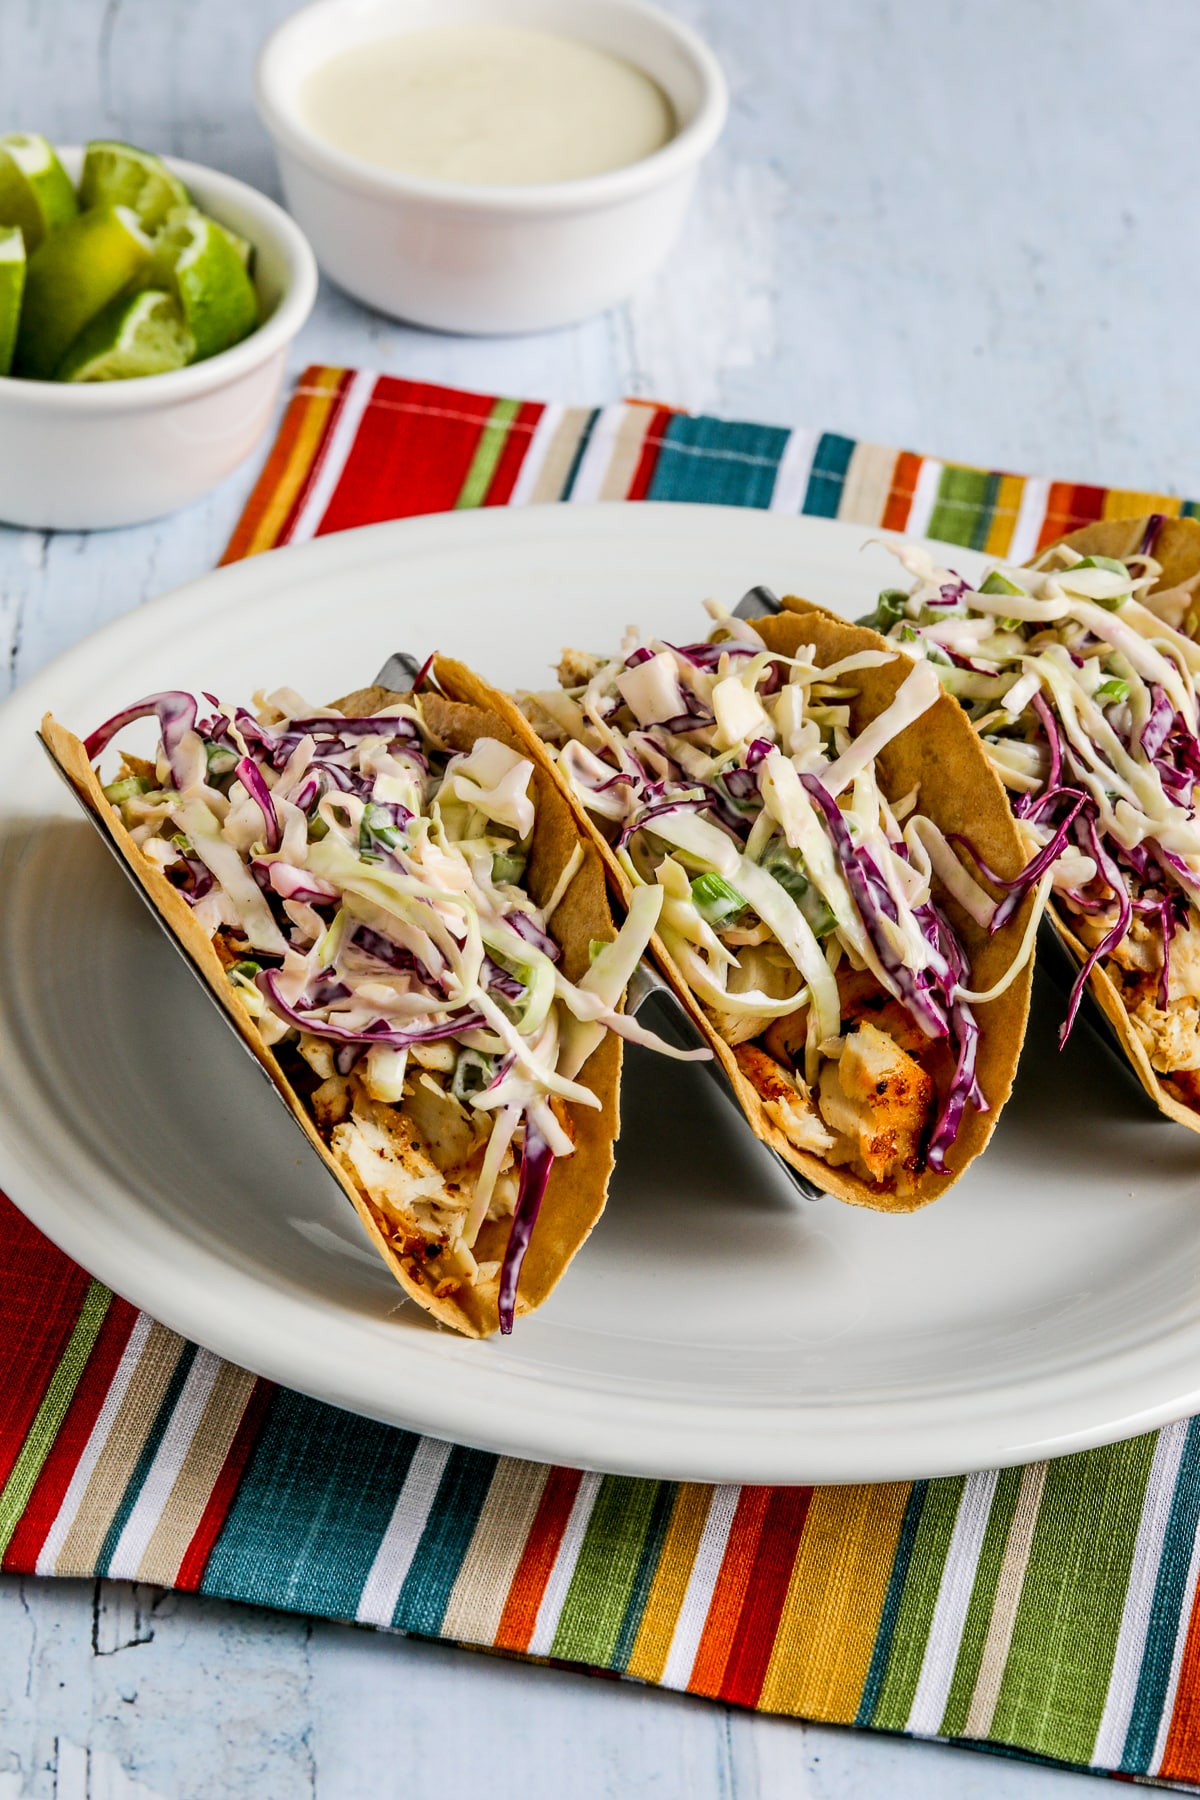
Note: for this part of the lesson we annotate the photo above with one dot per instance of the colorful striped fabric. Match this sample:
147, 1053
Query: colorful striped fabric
1052, 1610
356, 448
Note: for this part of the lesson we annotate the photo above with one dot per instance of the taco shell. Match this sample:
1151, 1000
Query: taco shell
575, 1196
960, 792
1176, 545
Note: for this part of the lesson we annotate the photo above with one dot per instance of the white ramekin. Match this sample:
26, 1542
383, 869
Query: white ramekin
79, 456
478, 258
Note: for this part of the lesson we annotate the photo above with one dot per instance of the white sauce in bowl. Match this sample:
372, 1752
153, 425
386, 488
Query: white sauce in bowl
498, 104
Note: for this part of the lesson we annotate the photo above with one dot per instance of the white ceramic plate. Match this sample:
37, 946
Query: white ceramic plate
715, 1326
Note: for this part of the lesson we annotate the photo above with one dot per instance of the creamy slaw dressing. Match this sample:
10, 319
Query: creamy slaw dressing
485, 103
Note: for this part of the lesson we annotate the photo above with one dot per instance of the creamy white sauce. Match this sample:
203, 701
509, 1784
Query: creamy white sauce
487, 103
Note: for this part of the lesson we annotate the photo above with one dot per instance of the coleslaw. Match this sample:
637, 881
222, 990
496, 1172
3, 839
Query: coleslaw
1083, 692
363, 886
798, 899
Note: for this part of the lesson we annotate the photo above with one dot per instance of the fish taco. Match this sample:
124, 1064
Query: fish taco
794, 787
394, 904
1080, 676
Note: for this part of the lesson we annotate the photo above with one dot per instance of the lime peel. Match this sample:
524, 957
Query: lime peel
202, 263
12, 287
134, 335
35, 190
116, 174
71, 277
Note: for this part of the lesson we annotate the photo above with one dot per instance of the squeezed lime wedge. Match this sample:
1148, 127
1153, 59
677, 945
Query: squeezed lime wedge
116, 174
35, 190
73, 275
202, 263
137, 334
12, 286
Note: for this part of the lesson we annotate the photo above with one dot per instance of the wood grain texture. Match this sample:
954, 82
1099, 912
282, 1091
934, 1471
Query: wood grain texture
957, 228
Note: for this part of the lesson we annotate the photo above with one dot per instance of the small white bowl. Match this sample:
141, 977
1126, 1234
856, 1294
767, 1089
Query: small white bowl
83, 456
476, 258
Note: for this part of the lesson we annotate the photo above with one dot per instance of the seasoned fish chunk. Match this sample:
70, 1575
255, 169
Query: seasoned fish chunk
880, 1101
576, 668
1139, 950
785, 1038
451, 1133
786, 1100
863, 1000
776, 976
1183, 966
1171, 1035
383, 1151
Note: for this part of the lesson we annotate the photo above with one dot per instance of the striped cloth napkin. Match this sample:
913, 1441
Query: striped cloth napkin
1050, 1610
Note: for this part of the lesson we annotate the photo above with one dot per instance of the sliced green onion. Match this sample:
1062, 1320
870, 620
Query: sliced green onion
595, 946
242, 973
376, 827
472, 1073
1113, 689
787, 868
1107, 563
127, 788
716, 900
996, 583
220, 759
509, 865
331, 943
1111, 566
890, 608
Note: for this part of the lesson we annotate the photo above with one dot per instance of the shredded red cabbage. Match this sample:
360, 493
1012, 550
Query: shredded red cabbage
250, 776
537, 1160
293, 884
964, 1089
1019, 885
1053, 739
528, 928
707, 656
1157, 728
176, 713
380, 1032
649, 813
501, 981
1111, 875
371, 725
740, 784
927, 1013
684, 722
191, 877
1166, 915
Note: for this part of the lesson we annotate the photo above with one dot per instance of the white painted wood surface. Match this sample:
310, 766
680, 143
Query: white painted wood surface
966, 228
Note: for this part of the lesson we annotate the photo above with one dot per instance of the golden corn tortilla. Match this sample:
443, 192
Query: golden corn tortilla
1177, 547
578, 1185
958, 790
